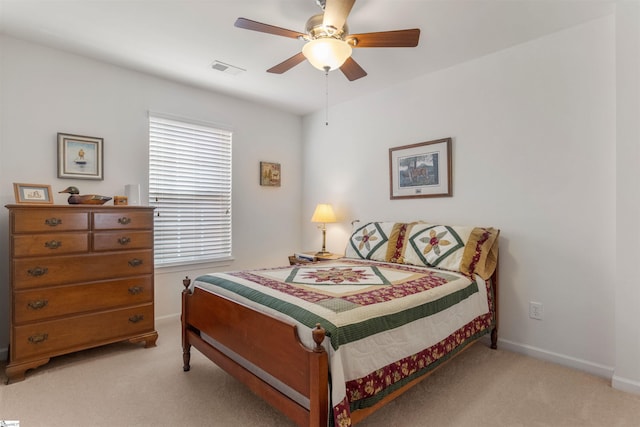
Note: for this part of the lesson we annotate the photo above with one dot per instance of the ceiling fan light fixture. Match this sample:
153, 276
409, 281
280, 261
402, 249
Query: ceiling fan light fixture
326, 52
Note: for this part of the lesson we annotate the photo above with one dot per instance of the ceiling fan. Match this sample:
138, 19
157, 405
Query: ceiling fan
329, 43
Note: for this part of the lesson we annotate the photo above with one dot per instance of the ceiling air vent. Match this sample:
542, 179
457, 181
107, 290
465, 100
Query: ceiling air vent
227, 68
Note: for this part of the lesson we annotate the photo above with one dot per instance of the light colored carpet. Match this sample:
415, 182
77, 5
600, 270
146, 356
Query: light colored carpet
127, 385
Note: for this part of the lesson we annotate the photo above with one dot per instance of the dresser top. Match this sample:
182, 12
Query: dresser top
52, 206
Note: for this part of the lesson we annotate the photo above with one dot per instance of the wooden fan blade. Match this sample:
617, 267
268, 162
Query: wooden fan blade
398, 38
352, 70
336, 12
248, 24
287, 64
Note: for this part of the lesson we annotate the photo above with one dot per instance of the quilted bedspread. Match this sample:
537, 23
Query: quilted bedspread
386, 323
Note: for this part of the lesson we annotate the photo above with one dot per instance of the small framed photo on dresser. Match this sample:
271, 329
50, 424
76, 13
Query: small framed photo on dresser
32, 193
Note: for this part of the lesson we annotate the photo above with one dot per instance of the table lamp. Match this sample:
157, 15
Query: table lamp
323, 214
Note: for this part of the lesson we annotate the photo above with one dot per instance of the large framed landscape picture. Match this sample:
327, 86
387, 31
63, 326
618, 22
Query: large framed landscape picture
421, 170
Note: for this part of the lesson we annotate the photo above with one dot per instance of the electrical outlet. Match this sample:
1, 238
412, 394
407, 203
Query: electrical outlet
536, 310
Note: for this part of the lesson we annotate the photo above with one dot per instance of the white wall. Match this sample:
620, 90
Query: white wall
534, 154
44, 91
627, 367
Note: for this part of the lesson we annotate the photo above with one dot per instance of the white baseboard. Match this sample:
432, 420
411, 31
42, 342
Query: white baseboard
624, 384
560, 359
619, 383
174, 316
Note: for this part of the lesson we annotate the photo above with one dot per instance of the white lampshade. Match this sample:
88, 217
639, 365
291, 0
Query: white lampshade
323, 213
326, 52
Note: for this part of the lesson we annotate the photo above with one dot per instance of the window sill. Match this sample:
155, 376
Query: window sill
193, 265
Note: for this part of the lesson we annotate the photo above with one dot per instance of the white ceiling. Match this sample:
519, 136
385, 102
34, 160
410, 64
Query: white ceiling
180, 39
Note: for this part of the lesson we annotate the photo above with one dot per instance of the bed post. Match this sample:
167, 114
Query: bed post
319, 382
186, 347
494, 331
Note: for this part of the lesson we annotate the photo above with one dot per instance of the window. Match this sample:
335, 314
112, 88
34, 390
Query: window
190, 187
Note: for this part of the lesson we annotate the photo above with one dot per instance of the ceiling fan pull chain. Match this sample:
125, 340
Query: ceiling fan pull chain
326, 74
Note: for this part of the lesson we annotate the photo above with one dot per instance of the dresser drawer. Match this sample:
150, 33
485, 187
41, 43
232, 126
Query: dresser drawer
49, 302
47, 271
120, 240
49, 244
75, 333
53, 220
125, 219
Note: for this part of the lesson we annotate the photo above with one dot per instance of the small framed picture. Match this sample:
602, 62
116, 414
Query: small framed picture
32, 193
80, 157
270, 174
421, 170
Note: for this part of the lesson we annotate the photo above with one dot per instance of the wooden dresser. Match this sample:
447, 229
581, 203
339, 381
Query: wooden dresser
81, 276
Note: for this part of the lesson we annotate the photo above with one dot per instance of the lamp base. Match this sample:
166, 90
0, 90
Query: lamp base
323, 253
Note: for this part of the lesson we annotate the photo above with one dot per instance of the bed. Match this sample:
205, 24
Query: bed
328, 343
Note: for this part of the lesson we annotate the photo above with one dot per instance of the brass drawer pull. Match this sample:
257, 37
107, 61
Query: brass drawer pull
39, 338
53, 244
52, 222
135, 290
136, 318
37, 304
124, 220
135, 262
38, 271
124, 240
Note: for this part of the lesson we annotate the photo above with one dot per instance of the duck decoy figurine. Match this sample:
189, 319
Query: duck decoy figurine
87, 199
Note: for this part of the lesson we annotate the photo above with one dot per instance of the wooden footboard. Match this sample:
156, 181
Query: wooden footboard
268, 343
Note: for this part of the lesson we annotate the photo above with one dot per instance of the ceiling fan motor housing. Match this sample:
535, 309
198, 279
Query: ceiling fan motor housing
315, 29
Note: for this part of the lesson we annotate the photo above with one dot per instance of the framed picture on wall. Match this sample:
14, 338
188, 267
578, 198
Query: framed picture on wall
270, 174
80, 157
32, 193
421, 170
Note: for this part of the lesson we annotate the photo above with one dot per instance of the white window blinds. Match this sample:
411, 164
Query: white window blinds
190, 187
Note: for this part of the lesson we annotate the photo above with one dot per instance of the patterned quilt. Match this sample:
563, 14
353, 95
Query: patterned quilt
386, 323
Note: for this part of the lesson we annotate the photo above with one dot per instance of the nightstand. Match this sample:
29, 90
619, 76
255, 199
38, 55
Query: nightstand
307, 257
